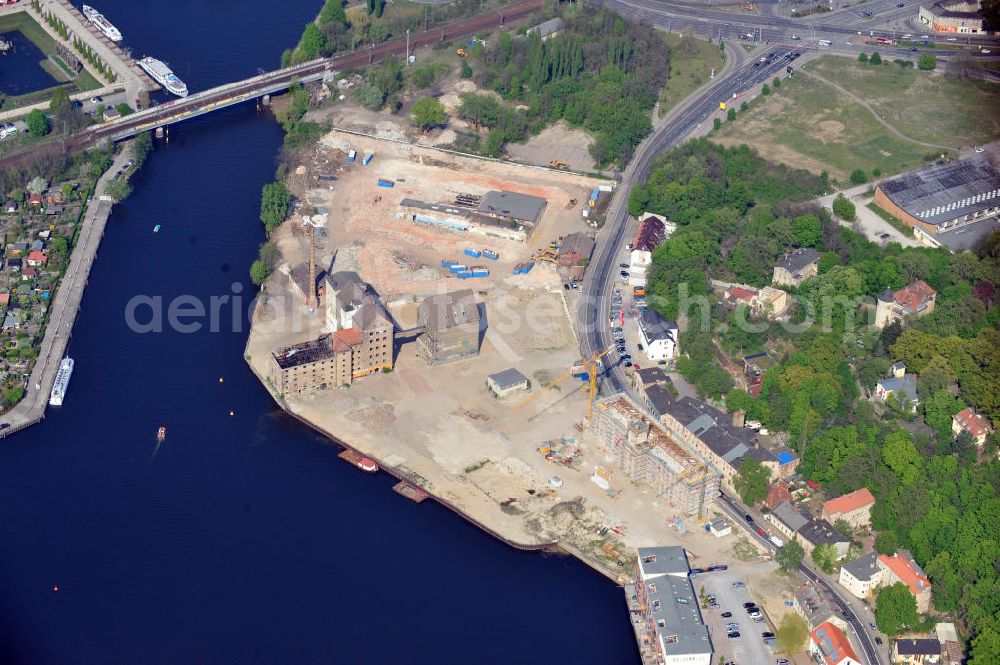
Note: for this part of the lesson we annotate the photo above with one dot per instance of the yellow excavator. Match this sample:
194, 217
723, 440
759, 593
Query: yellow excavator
558, 164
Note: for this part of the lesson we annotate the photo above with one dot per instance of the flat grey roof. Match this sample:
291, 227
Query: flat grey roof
508, 378
968, 236
942, 193
513, 205
664, 560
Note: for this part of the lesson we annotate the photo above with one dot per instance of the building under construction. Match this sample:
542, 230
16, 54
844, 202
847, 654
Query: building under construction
647, 453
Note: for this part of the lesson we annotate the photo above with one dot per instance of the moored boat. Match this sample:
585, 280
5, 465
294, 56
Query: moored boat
102, 23
164, 76
367, 465
61, 383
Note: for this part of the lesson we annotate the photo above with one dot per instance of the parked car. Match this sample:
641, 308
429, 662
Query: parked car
623, 265
749, 605
748, 518
726, 615
878, 641
761, 532
767, 634
733, 636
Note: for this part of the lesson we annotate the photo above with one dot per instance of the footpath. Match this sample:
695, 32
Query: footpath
65, 306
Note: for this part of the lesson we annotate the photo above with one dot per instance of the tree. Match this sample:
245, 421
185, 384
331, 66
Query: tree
275, 202
38, 124
429, 113
118, 189
876, 59
766, 90
858, 177
269, 254
825, 556
37, 185
751, 481
895, 609
927, 62
313, 41
844, 208
717, 124
731, 114
789, 556
792, 633
863, 57
776, 82
808, 230
258, 272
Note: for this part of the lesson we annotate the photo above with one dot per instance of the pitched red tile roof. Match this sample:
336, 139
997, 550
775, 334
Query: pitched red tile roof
972, 422
37, 256
833, 644
907, 571
848, 502
777, 492
650, 234
4, 298
740, 293
914, 295
35, 198
347, 337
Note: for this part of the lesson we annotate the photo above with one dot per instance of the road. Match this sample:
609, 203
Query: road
594, 308
859, 626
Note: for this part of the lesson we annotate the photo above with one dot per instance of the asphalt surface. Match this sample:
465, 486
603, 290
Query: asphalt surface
594, 309
860, 629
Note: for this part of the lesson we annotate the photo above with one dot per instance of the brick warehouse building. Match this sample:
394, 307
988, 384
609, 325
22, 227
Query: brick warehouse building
953, 205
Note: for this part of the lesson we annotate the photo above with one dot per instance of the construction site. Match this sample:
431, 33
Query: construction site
537, 468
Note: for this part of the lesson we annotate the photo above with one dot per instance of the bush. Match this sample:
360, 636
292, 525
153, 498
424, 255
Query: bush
927, 62
776, 83
876, 59
731, 115
903, 63
863, 57
717, 123
858, 177
766, 90
844, 208
428, 113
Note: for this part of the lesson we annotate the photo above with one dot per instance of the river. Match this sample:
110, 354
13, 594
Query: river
242, 538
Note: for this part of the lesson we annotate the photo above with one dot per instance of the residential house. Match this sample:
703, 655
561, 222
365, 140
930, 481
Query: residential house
797, 266
547, 29
11, 321
787, 519
914, 300
28, 273
900, 567
657, 399
18, 248
829, 645
648, 376
37, 258
10, 207
821, 532
507, 382
669, 625
862, 576
770, 303
925, 651
967, 420
14, 265
38, 245
36, 200
777, 493
659, 335
855, 508
951, 646
815, 607
652, 231
903, 385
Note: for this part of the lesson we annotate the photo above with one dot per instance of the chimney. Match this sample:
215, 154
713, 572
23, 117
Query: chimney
739, 418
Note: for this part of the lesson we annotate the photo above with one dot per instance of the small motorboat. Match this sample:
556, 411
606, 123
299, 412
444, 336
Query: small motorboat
156, 229
161, 433
367, 465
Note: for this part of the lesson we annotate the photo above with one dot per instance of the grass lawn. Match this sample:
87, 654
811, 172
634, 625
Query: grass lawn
808, 124
926, 106
690, 67
26, 24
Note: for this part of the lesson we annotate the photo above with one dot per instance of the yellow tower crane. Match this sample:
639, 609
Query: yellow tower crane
590, 366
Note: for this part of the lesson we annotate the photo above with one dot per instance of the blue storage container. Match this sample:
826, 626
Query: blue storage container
493, 256
481, 273
447, 264
474, 253
368, 159
455, 267
386, 183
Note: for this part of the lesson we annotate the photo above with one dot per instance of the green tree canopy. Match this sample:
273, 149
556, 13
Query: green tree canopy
927, 62
789, 556
751, 481
895, 609
258, 272
844, 208
38, 124
118, 189
429, 113
275, 203
825, 556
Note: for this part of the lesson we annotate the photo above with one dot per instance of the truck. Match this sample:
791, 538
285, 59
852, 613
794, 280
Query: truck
777, 542
385, 183
824, 43
368, 159
351, 156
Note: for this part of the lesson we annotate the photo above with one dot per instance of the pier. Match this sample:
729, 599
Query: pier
64, 308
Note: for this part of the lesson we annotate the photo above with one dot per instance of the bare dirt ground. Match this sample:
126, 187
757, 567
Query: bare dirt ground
365, 232
558, 142
439, 425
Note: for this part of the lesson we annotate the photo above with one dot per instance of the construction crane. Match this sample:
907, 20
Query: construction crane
588, 366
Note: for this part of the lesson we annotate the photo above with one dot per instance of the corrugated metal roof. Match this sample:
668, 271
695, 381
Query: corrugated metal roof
942, 193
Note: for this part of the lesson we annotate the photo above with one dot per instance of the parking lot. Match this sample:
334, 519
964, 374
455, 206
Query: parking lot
749, 647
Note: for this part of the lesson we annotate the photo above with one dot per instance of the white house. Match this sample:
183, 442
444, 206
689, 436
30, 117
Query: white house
659, 336
653, 230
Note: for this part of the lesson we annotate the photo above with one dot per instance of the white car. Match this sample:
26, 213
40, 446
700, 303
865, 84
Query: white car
986, 50
848, 43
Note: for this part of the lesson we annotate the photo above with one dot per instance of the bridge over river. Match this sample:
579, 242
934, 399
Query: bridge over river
279, 80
